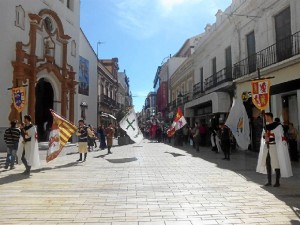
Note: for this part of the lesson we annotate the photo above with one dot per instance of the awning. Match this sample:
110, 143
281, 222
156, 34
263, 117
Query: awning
108, 115
221, 102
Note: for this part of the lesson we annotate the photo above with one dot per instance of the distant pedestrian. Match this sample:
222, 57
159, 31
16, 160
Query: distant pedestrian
215, 141
109, 131
91, 138
28, 150
186, 134
293, 137
224, 134
102, 141
196, 137
203, 133
82, 142
11, 138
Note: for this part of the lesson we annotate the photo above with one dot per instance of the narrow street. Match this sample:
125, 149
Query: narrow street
147, 184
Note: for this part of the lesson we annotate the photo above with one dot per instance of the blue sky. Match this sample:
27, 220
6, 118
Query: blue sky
141, 33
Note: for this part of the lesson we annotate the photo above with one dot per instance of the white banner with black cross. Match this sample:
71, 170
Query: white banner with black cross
130, 124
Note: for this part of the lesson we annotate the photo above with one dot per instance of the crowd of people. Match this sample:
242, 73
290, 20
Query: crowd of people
280, 139
87, 137
22, 142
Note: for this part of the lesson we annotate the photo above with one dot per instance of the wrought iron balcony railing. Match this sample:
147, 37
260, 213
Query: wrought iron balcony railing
218, 78
198, 90
281, 50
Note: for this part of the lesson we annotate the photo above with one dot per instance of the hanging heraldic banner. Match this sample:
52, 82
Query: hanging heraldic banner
19, 98
260, 93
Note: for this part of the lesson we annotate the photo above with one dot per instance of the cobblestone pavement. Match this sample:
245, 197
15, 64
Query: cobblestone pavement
147, 184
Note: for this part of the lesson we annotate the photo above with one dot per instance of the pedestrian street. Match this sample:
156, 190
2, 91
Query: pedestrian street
147, 184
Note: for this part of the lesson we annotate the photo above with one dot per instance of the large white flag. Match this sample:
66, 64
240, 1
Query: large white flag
238, 123
130, 124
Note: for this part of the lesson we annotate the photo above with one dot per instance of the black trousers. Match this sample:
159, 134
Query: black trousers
24, 161
226, 149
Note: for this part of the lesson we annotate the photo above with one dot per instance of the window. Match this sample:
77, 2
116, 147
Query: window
20, 17
251, 49
201, 80
283, 35
73, 48
228, 61
214, 65
70, 4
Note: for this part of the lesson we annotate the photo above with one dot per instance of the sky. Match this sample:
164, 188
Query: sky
141, 33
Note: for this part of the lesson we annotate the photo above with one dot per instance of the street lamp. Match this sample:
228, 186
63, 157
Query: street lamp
99, 43
98, 86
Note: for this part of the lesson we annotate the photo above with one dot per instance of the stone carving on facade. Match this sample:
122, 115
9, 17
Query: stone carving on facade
28, 63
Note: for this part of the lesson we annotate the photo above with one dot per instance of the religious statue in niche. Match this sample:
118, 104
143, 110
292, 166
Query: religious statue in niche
49, 49
48, 24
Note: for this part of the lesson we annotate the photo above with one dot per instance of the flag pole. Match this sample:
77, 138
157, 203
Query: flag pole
263, 112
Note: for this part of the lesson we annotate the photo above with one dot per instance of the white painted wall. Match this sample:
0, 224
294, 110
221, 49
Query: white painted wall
10, 34
86, 51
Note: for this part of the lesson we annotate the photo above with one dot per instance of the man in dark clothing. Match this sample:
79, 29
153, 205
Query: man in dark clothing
11, 138
225, 140
82, 140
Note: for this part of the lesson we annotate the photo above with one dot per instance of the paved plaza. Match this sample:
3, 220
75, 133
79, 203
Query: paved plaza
147, 184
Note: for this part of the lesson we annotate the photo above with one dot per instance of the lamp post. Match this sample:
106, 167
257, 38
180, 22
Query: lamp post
98, 86
99, 43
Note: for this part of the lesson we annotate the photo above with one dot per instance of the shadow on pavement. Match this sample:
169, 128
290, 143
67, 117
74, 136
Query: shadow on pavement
124, 160
13, 178
71, 164
244, 164
175, 154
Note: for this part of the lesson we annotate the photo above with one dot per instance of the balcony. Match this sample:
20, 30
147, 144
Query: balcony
186, 98
108, 101
282, 50
198, 90
218, 78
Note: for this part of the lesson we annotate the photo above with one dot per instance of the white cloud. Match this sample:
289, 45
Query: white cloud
138, 18
143, 19
169, 5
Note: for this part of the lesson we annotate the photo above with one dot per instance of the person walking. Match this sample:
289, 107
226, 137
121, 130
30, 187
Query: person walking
293, 136
196, 137
186, 134
82, 141
274, 155
91, 138
225, 140
102, 137
28, 150
215, 141
110, 131
11, 138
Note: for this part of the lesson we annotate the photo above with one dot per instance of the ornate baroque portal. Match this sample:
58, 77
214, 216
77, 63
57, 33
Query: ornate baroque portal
46, 52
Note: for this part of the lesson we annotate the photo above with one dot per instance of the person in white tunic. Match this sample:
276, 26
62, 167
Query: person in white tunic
28, 150
274, 155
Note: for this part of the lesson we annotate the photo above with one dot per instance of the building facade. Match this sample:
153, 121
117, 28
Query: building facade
124, 97
40, 54
108, 80
44, 51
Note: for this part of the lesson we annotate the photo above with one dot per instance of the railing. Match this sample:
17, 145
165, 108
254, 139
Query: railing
186, 98
218, 78
281, 50
198, 90
107, 100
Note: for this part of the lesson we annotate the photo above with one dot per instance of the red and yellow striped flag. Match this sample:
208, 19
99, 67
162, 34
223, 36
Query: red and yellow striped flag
61, 132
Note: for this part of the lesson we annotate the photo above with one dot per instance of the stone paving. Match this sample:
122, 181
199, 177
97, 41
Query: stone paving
147, 184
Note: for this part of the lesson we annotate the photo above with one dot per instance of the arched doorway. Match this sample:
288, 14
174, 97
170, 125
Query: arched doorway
44, 101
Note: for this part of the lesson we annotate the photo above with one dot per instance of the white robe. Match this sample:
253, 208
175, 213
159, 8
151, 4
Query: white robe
215, 143
31, 148
282, 155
